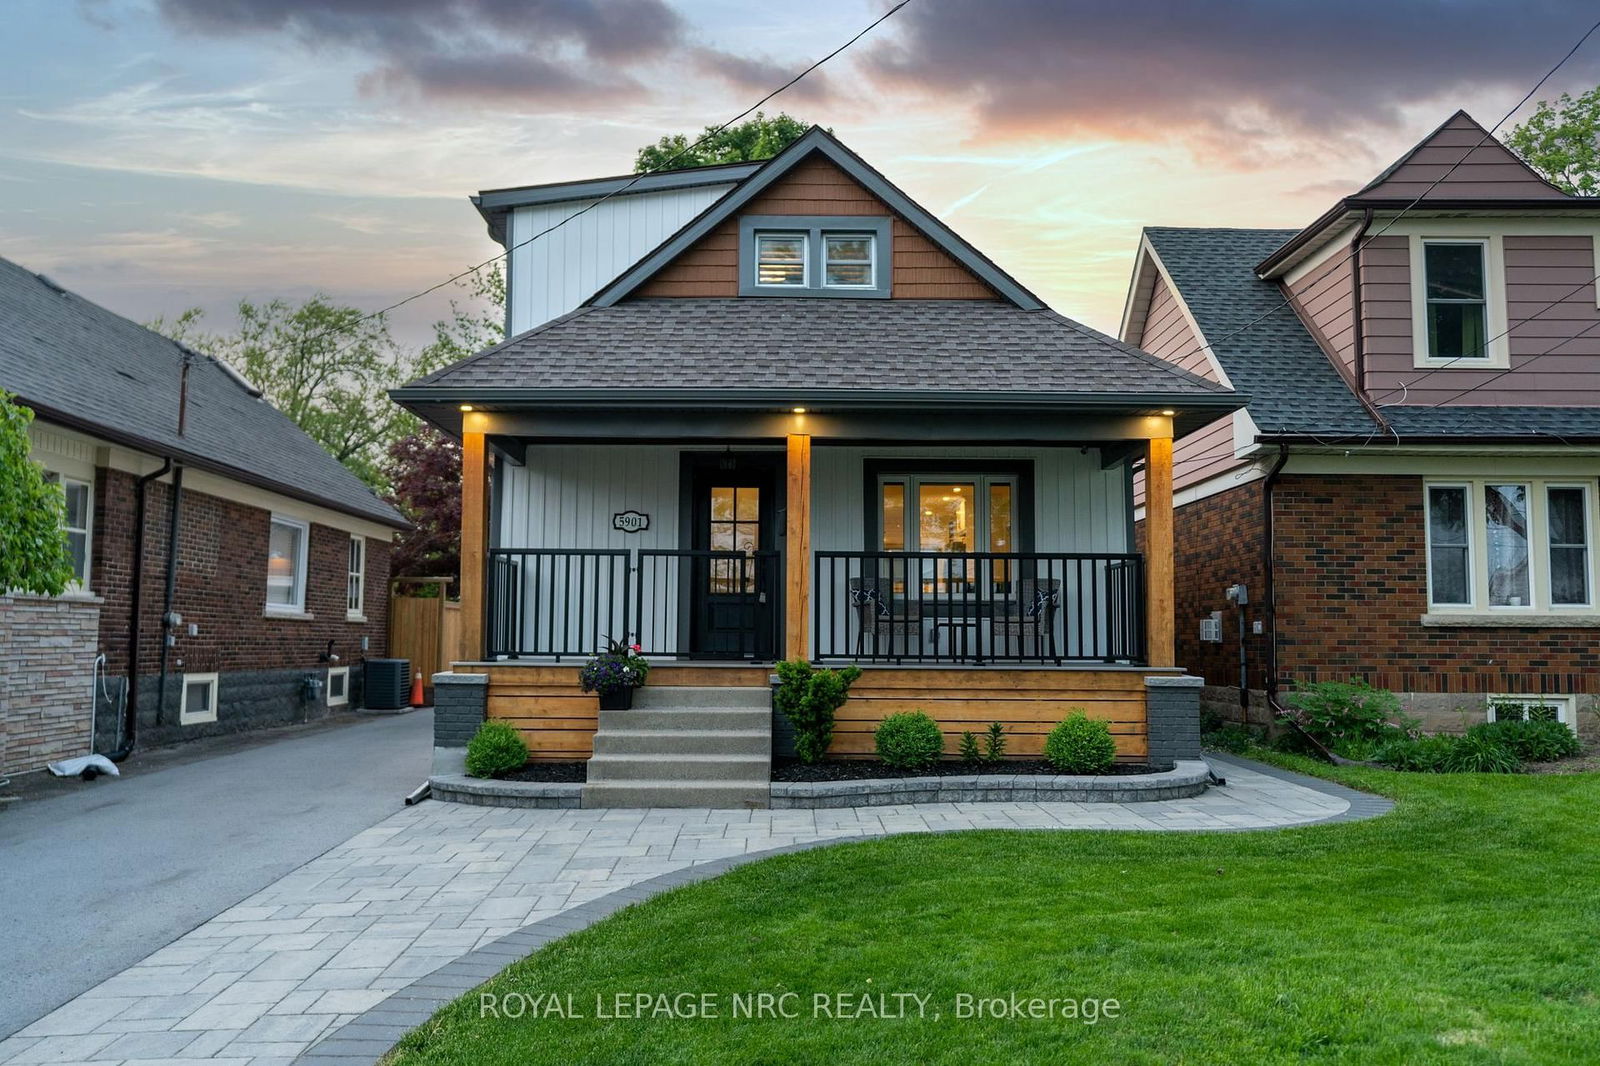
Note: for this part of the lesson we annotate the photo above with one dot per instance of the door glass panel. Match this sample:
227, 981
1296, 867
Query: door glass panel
947, 521
1506, 511
735, 527
1000, 533
894, 517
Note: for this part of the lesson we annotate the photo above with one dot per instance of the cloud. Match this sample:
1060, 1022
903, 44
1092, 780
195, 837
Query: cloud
1227, 76
756, 76
487, 51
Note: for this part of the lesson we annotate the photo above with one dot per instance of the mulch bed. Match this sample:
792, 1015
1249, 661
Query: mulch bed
870, 769
568, 772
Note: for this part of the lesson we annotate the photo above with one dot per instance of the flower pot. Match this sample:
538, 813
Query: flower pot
617, 700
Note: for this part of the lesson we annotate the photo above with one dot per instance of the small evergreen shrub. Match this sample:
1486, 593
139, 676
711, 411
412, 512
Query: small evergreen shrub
909, 741
1080, 745
1481, 753
496, 748
969, 749
1533, 740
1423, 755
994, 744
808, 697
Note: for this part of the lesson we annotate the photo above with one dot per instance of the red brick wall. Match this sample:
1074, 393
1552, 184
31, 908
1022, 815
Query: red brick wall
222, 585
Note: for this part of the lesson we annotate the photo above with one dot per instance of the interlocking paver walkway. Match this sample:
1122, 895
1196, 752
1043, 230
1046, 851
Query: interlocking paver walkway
264, 981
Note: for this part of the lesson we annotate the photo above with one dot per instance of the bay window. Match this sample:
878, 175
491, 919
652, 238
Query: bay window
1512, 545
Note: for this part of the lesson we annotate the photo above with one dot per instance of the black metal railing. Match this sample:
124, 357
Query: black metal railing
557, 602
708, 604
978, 607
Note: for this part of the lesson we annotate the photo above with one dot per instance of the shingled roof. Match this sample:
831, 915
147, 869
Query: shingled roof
77, 364
966, 346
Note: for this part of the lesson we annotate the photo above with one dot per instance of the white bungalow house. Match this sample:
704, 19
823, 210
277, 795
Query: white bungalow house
779, 410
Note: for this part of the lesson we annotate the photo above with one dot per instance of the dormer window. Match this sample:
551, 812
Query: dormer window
783, 255
1458, 302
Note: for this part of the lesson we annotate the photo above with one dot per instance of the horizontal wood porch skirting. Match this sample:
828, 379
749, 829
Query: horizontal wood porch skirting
558, 719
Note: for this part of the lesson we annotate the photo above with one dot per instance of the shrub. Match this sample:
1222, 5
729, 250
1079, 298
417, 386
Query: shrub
1334, 711
1235, 738
808, 698
1531, 741
1080, 745
994, 744
969, 749
495, 749
33, 550
909, 741
1422, 755
1480, 753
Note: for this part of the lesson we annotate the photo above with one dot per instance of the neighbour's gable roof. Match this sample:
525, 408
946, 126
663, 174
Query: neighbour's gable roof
1467, 163
79, 365
818, 141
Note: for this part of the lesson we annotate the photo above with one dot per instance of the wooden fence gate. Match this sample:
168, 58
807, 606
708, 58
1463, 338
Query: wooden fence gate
425, 629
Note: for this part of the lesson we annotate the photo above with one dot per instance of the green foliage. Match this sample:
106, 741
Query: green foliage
620, 666
1338, 711
808, 697
1419, 755
1080, 745
1232, 737
1531, 741
495, 748
909, 741
1562, 142
994, 744
758, 138
33, 547
969, 749
1480, 753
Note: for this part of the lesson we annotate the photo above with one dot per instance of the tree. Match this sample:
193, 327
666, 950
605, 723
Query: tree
1559, 141
424, 468
758, 138
33, 547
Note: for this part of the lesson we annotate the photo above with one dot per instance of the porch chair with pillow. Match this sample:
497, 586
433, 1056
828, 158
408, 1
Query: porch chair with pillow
871, 599
1031, 614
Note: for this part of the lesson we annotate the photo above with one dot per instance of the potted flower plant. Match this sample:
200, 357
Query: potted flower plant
614, 674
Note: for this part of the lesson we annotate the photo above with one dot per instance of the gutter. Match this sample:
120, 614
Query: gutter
490, 398
130, 706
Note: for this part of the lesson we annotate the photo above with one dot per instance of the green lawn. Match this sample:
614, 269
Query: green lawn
1462, 927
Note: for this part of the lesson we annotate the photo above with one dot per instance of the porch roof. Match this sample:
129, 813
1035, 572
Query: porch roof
732, 353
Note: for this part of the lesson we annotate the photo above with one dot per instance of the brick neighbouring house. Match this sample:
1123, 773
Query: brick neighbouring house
281, 551
1423, 457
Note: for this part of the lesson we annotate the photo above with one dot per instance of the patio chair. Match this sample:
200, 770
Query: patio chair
870, 599
1031, 614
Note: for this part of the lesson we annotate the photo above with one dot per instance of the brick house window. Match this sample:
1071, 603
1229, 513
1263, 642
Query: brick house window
76, 523
1544, 708
198, 702
338, 686
356, 581
286, 565
1514, 545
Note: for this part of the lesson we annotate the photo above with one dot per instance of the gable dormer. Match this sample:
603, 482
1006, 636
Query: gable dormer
816, 221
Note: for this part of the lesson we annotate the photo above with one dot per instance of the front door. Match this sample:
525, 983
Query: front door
734, 572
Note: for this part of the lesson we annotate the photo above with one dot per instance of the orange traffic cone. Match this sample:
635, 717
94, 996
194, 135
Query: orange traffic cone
416, 689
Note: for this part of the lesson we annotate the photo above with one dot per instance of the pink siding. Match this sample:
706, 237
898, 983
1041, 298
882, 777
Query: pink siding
1203, 454
1167, 334
1539, 271
1325, 298
1490, 171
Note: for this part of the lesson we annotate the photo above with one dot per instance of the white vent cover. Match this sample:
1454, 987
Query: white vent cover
1211, 628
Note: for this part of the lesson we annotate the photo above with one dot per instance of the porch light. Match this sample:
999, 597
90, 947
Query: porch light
1169, 412
799, 410
466, 407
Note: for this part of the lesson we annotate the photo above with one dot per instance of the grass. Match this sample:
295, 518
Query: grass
1462, 927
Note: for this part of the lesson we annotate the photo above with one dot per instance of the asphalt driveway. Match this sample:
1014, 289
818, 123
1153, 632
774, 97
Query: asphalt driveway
96, 876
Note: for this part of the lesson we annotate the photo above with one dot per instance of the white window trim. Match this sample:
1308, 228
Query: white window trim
1497, 352
78, 587
344, 697
297, 609
872, 258
805, 260
357, 613
188, 717
1538, 552
1566, 706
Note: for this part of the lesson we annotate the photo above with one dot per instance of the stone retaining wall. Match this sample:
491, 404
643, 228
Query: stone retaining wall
47, 650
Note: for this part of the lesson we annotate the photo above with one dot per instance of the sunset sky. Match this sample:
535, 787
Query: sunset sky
161, 154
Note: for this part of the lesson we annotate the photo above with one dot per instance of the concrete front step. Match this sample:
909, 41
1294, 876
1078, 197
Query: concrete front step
736, 795
756, 742
655, 696
699, 719
680, 767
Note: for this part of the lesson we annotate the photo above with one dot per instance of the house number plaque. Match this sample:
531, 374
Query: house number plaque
630, 521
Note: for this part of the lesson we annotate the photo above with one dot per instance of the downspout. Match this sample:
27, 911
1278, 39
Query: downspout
1358, 341
130, 709
167, 636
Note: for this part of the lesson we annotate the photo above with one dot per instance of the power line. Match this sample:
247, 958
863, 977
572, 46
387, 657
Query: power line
710, 132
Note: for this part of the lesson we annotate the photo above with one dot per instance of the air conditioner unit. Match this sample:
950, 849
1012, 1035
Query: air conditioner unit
387, 684
1211, 628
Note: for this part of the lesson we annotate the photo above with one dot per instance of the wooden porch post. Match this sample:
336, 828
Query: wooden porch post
797, 552
474, 540
1160, 597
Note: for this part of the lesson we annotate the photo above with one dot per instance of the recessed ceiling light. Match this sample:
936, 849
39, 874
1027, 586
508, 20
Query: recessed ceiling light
1169, 412
799, 410
466, 407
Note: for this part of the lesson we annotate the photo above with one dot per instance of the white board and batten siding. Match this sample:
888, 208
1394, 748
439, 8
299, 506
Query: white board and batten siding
556, 272
566, 495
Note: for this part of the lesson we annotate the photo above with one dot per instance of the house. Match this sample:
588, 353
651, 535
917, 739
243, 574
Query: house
221, 557
779, 410
1410, 495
